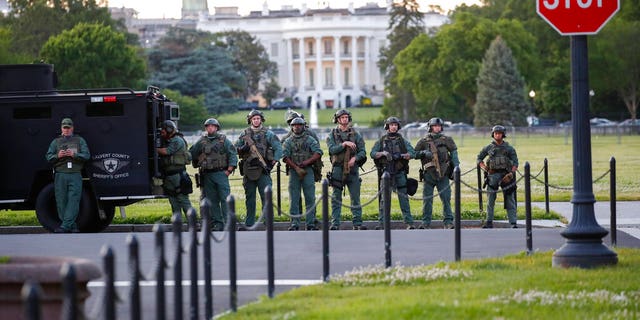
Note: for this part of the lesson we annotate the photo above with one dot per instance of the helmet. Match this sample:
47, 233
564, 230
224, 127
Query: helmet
169, 126
499, 128
436, 122
391, 120
213, 122
340, 113
292, 115
298, 120
254, 113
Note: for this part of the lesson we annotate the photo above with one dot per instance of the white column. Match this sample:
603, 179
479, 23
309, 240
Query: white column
336, 63
368, 78
290, 62
318, 64
302, 67
354, 64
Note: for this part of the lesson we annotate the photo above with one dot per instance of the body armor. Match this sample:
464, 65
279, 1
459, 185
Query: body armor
213, 156
176, 162
499, 158
395, 146
340, 136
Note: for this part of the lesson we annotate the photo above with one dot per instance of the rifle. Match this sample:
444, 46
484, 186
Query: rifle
301, 172
345, 165
255, 152
435, 159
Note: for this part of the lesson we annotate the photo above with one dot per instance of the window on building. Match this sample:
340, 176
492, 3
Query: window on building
311, 78
310, 43
345, 47
274, 49
347, 73
328, 77
328, 49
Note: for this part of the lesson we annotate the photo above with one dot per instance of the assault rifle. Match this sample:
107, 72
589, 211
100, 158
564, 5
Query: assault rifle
254, 151
345, 165
435, 159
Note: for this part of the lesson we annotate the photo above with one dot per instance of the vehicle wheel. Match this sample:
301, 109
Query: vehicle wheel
99, 224
89, 217
87, 220
46, 208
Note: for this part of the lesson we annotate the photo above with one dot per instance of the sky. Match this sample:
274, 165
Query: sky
171, 8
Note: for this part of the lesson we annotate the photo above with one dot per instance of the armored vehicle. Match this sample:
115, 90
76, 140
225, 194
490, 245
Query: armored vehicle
120, 126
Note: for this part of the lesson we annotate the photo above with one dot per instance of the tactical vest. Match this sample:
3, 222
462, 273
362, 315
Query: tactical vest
301, 150
499, 157
339, 137
61, 165
260, 139
441, 146
395, 146
213, 154
177, 161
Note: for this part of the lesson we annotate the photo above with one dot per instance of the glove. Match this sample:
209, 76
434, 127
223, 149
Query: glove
245, 148
385, 154
426, 154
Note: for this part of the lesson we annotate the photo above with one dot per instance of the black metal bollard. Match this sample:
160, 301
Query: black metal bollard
386, 210
479, 173
279, 200
134, 272
233, 261
546, 185
268, 194
158, 232
612, 199
325, 230
70, 294
31, 293
458, 240
176, 222
206, 256
527, 206
108, 259
193, 264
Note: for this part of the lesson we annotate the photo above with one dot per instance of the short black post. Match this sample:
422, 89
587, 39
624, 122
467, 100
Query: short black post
158, 232
268, 194
546, 185
206, 256
458, 208
527, 206
134, 273
479, 172
278, 180
193, 263
386, 210
31, 293
233, 262
612, 199
176, 223
325, 230
70, 293
109, 269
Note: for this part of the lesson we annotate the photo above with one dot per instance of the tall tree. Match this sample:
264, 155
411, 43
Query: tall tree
192, 110
94, 56
500, 89
405, 23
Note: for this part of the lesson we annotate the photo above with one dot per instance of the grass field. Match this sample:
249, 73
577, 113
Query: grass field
512, 287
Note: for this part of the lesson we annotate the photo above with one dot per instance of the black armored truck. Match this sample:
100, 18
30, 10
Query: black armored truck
120, 126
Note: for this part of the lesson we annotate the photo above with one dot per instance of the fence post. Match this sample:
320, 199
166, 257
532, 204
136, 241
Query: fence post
386, 210
206, 256
109, 281
233, 268
70, 300
456, 177
325, 230
176, 222
193, 257
158, 232
546, 185
612, 199
279, 200
134, 272
527, 206
268, 194
479, 172
31, 293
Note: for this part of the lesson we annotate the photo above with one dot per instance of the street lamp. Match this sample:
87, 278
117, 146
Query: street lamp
532, 95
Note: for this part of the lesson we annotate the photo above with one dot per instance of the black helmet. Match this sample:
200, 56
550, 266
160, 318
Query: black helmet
292, 115
340, 113
254, 113
436, 122
169, 126
391, 120
213, 122
499, 128
297, 120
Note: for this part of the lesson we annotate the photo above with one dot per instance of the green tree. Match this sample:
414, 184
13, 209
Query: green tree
6, 54
94, 56
500, 89
192, 110
405, 23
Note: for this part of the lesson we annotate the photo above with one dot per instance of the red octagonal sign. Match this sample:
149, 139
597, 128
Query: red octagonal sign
575, 17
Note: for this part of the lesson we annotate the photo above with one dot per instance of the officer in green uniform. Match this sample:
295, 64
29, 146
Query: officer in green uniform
259, 149
391, 153
501, 168
215, 156
68, 153
439, 156
347, 151
173, 160
292, 115
300, 152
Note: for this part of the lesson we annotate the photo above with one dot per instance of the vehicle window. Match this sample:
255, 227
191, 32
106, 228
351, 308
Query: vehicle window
32, 112
105, 109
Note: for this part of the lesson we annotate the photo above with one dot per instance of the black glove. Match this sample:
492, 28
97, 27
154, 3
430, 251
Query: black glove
426, 154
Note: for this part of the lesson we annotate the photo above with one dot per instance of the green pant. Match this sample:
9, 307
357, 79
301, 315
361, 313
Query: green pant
353, 183
444, 191
179, 202
250, 193
399, 183
216, 189
308, 186
509, 197
68, 190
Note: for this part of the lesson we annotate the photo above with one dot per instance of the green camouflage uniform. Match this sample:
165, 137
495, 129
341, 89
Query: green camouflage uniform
502, 158
173, 165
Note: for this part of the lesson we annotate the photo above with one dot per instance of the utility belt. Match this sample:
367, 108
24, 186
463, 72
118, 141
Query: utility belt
214, 170
492, 171
172, 172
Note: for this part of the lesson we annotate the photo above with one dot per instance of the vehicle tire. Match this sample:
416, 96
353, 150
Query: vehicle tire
46, 210
89, 217
98, 224
87, 220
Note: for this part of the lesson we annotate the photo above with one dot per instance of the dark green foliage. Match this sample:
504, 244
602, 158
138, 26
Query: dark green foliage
500, 89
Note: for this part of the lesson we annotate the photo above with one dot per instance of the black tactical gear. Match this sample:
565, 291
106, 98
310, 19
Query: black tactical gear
499, 128
392, 120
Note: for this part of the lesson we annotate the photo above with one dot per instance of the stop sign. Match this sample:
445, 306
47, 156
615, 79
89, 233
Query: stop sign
575, 17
